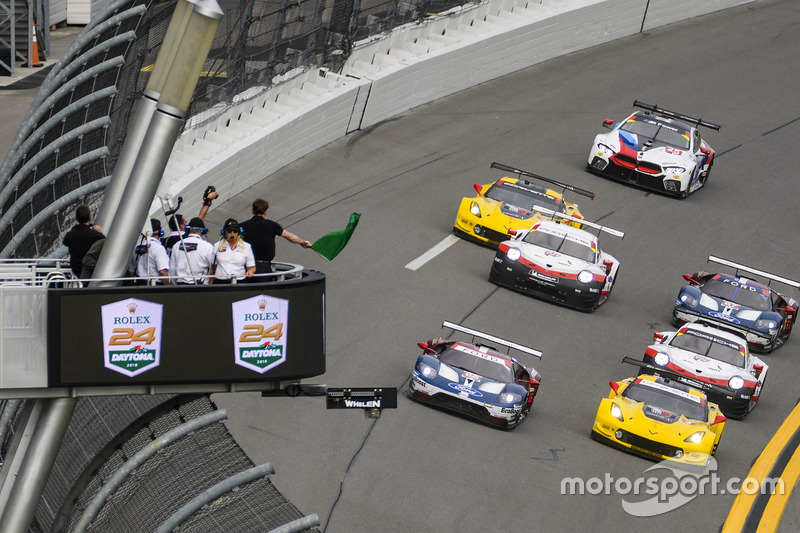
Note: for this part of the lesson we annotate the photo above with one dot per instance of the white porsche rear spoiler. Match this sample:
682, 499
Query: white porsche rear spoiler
767, 275
498, 340
552, 214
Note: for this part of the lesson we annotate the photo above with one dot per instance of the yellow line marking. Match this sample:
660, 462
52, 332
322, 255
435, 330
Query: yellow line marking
760, 470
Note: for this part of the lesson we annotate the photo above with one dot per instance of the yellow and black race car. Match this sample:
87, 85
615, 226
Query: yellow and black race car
508, 204
659, 418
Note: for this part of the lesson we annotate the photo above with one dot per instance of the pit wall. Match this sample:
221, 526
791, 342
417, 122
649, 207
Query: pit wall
264, 130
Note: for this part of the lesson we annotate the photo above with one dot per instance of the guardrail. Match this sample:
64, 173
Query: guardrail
56, 273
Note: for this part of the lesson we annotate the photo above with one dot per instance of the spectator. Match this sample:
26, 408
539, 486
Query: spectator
90, 259
260, 232
81, 237
233, 256
177, 222
191, 259
150, 258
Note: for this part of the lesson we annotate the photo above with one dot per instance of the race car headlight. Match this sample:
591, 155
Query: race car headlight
509, 397
426, 370
474, 209
674, 170
605, 150
766, 323
736, 383
584, 276
689, 300
616, 412
661, 359
513, 254
695, 437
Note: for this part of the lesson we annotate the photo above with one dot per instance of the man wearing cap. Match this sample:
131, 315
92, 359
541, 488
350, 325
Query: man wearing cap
191, 259
177, 222
260, 232
150, 258
233, 257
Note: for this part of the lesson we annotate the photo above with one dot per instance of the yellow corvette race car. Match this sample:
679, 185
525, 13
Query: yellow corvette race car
508, 204
661, 419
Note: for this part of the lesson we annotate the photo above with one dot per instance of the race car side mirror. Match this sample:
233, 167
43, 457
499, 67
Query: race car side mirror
719, 420
426, 348
608, 264
757, 369
608, 123
477, 187
512, 233
705, 150
614, 386
658, 337
691, 279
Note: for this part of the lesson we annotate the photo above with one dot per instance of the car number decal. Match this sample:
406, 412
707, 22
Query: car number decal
464, 390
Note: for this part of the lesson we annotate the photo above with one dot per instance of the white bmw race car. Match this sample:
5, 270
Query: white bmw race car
655, 149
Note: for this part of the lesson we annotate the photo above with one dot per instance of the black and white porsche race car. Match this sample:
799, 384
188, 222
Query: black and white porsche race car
705, 352
557, 262
656, 149
474, 379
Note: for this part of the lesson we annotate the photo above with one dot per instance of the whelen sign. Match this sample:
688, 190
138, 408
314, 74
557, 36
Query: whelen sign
127, 340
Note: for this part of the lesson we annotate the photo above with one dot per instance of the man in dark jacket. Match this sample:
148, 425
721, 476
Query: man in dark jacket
81, 237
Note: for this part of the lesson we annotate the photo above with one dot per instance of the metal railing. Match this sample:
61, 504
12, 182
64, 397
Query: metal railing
56, 273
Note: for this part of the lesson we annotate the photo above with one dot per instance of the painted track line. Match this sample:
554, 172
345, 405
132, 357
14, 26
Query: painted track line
446, 243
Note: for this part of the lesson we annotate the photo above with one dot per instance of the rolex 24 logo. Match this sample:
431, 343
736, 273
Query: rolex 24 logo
132, 336
260, 328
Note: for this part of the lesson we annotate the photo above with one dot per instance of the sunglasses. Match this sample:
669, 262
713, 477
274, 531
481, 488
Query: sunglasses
232, 229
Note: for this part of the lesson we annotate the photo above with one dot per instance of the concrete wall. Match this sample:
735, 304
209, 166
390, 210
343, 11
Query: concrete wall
416, 64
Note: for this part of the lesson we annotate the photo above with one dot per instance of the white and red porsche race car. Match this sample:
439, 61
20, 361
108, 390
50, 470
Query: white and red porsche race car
557, 262
704, 353
656, 149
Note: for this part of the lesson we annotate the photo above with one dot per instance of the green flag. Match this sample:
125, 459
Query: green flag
329, 246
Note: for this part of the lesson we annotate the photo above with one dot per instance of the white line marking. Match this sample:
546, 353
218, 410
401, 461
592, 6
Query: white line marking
448, 241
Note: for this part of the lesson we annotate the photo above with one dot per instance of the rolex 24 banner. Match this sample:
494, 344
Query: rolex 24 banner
260, 332
132, 336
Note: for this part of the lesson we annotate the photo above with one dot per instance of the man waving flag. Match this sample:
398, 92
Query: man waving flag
329, 246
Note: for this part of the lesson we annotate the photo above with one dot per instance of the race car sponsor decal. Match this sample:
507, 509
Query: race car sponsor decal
259, 332
132, 336
724, 316
712, 338
471, 376
669, 390
730, 306
465, 390
476, 353
543, 277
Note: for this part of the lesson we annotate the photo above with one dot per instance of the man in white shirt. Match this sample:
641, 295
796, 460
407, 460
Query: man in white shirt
234, 257
150, 258
191, 259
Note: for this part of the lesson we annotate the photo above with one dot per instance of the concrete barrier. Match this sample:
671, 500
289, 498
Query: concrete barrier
264, 130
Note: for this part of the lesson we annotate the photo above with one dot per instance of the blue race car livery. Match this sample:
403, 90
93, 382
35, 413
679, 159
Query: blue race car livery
764, 316
475, 380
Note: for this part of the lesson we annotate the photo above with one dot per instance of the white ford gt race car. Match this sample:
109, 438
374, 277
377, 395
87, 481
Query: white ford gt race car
702, 353
557, 262
655, 149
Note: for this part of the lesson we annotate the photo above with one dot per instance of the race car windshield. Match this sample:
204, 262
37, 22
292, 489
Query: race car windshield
713, 347
665, 400
476, 365
559, 243
745, 295
522, 197
658, 132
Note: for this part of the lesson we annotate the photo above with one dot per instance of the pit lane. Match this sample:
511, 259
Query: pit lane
420, 469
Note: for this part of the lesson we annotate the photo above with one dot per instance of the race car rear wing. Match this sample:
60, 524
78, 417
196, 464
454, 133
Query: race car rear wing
767, 275
679, 116
492, 338
670, 374
552, 214
506, 168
